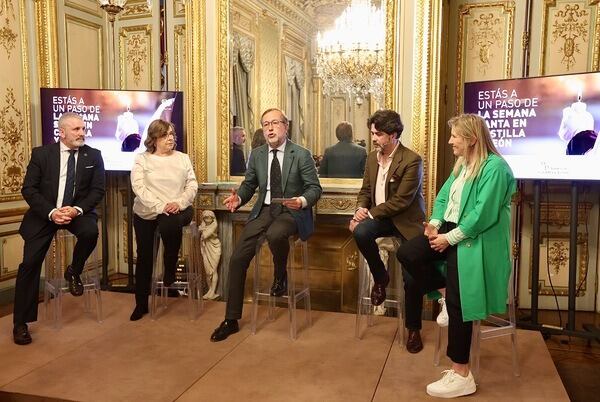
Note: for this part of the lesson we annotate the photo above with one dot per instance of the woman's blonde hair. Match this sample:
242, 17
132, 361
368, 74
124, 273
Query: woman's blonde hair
472, 127
157, 129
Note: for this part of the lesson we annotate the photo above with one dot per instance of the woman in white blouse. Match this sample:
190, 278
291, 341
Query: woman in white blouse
165, 186
469, 230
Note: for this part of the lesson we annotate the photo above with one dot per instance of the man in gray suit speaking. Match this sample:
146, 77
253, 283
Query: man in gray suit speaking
288, 187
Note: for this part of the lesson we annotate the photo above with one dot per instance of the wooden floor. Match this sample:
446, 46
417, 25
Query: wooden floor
172, 359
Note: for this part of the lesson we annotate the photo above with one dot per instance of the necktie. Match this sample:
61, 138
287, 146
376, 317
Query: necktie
276, 191
70, 183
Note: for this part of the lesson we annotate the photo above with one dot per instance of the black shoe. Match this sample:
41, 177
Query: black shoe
138, 312
169, 277
279, 287
74, 280
21, 334
226, 328
378, 295
414, 343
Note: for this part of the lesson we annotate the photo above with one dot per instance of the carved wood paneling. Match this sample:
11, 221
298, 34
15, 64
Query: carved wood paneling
135, 9
570, 36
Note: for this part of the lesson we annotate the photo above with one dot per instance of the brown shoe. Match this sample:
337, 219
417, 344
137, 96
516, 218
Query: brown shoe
414, 343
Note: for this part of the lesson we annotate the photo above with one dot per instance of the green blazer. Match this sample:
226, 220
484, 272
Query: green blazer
298, 178
484, 263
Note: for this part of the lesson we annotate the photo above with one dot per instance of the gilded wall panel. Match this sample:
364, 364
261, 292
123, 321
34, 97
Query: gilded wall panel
554, 264
570, 36
84, 53
269, 64
87, 6
485, 40
135, 56
9, 259
15, 114
179, 56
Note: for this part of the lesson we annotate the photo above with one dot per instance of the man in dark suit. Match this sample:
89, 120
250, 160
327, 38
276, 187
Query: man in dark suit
237, 160
344, 159
390, 202
63, 184
288, 187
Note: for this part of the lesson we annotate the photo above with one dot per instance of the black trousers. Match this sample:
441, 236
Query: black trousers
365, 234
277, 229
27, 287
421, 277
170, 230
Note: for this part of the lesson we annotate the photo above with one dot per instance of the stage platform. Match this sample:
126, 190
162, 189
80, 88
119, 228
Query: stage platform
172, 358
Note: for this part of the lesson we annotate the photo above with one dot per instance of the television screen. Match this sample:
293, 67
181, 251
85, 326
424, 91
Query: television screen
545, 127
116, 121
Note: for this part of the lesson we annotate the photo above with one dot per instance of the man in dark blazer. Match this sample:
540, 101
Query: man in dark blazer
390, 202
288, 188
344, 159
63, 184
237, 160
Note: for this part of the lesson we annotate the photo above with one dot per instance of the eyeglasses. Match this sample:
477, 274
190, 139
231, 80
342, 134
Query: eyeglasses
274, 123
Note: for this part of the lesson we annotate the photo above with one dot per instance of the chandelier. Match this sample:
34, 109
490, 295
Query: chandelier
351, 57
114, 7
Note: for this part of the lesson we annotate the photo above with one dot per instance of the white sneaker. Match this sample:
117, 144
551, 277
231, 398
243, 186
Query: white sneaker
452, 385
442, 318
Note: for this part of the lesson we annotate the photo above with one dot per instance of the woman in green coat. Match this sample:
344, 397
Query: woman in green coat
470, 230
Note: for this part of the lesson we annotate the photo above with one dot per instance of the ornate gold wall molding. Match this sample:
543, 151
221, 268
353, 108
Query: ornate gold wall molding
135, 9
390, 51
223, 90
180, 56
15, 113
294, 14
485, 44
426, 90
135, 56
178, 8
47, 43
559, 213
195, 90
570, 36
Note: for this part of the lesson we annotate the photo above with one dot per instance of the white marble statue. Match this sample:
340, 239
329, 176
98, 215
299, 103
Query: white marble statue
210, 245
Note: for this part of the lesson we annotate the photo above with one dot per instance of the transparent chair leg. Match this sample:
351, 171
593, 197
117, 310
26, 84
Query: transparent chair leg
438, 346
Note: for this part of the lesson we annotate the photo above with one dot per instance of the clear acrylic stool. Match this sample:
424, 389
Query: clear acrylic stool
187, 275
296, 291
501, 327
55, 265
394, 293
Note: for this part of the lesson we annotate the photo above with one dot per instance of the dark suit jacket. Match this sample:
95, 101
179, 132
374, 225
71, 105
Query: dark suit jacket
344, 159
237, 161
404, 204
298, 178
40, 187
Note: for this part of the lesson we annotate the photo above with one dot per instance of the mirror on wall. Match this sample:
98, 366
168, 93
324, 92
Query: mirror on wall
322, 62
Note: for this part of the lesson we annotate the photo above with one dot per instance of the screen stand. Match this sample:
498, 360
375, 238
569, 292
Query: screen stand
590, 332
106, 285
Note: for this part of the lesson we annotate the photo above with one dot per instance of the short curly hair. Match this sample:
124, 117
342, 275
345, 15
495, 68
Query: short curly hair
387, 121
